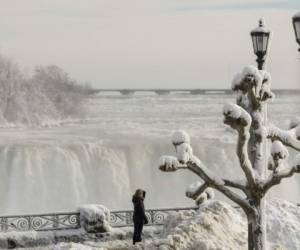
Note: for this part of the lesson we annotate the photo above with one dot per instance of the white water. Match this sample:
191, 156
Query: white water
105, 157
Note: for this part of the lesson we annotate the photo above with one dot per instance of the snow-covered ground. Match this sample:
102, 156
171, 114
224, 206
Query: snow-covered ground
215, 226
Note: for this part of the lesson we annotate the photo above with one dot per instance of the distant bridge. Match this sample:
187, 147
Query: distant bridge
191, 91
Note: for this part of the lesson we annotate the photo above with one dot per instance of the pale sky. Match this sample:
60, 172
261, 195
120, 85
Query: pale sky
150, 43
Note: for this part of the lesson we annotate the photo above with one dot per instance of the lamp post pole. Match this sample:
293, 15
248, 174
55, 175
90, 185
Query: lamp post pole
260, 39
296, 25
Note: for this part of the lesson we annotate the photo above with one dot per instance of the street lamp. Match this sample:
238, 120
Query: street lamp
260, 39
296, 24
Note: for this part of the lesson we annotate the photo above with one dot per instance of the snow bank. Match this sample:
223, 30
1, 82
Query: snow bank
216, 225
94, 218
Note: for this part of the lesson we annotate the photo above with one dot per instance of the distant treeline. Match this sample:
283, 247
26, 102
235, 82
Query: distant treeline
46, 95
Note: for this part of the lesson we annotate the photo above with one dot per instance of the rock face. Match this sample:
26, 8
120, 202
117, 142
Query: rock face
94, 218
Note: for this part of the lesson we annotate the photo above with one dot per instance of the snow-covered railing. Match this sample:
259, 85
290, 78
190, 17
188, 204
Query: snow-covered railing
41, 222
155, 216
65, 221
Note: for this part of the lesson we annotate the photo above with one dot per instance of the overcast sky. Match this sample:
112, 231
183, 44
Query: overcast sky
150, 43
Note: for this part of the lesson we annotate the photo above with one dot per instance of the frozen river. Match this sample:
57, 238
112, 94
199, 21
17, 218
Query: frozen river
104, 157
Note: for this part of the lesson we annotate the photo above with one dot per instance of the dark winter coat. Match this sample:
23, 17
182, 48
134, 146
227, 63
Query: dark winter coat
139, 215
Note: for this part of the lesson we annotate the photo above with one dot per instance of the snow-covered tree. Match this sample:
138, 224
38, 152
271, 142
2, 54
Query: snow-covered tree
50, 94
64, 92
253, 88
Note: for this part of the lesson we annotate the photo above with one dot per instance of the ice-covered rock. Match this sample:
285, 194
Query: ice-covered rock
94, 218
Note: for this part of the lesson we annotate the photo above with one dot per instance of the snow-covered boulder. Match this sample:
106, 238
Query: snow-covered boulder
94, 218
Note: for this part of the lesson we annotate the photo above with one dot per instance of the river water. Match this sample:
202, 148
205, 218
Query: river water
104, 157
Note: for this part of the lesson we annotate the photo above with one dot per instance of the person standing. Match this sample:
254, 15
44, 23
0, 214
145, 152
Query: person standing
139, 216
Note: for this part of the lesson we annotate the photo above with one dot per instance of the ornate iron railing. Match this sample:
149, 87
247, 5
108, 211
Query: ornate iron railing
41, 222
155, 216
65, 221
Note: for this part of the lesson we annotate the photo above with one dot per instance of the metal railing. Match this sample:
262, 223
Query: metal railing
155, 216
41, 222
66, 221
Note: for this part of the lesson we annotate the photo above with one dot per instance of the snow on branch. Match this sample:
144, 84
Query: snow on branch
278, 153
169, 163
186, 159
253, 81
235, 116
179, 137
275, 178
199, 192
290, 138
195, 189
239, 119
198, 168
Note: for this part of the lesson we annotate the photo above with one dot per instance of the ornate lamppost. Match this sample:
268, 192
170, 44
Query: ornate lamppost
260, 39
296, 25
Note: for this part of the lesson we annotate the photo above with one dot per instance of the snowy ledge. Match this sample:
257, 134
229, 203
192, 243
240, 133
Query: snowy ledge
206, 228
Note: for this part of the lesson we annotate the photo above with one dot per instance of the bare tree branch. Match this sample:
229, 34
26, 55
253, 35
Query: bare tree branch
242, 153
236, 184
169, 163
275, 178
287, 137
195, 194
240, 120
199, 169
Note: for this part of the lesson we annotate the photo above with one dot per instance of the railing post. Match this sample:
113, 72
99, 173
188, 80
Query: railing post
151, 213
55, 221
4, 226
129, 218
28, 218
